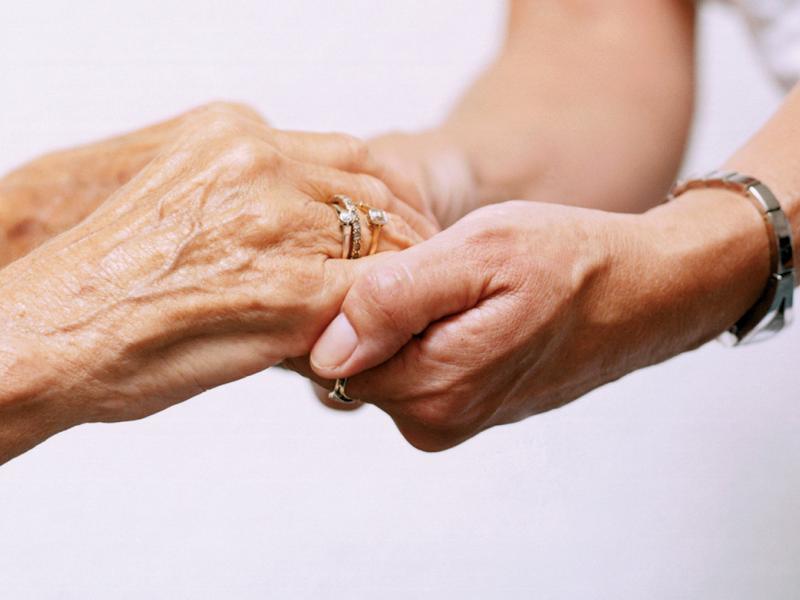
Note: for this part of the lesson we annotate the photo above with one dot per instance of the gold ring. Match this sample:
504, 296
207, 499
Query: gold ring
376, 218
350, 223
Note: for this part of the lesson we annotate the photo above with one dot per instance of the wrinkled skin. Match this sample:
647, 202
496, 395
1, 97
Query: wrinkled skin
55, 192
219, 258
543, 304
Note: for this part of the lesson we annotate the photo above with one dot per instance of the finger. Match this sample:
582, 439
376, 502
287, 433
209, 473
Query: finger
429, 367
322, 162
394, 234
432, 389
326, 232
324, 182
348, 153
322, 395
320, 387
337, 150
396, 299
332, 163
416, 392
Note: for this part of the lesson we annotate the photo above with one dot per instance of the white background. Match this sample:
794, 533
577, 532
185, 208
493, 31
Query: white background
682, 481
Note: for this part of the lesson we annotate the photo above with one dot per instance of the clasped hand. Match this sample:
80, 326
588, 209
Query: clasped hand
503, 315
209, 252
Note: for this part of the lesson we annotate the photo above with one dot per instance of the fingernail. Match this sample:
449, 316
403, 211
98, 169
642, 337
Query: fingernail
336, 345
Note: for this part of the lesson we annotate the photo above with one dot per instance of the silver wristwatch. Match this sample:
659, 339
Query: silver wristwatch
773, 310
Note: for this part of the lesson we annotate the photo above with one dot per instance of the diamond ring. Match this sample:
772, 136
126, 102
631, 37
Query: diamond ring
350, 224
376, 218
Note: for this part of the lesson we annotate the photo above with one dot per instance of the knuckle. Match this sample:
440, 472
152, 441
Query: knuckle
354, 149
218, 119
490, 233
490, 241
375, 191
383, 291
245, 153
217, 127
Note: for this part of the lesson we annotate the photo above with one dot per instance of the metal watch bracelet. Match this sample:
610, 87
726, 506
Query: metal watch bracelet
773, 310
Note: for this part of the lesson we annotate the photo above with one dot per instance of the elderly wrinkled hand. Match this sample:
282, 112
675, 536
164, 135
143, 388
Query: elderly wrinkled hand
219, 258
54, 192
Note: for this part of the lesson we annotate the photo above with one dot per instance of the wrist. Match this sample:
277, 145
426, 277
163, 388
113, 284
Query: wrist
777, 173
42, 370
32, 403
709, 263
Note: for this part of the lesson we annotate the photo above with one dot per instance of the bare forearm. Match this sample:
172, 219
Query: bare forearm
582, 87
714, 244
34, 375
589, 103
29, 411
771, 155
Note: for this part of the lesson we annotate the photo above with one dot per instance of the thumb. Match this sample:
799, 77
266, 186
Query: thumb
394, 299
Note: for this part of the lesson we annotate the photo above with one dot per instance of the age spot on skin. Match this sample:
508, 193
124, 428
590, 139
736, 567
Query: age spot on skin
24, 229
